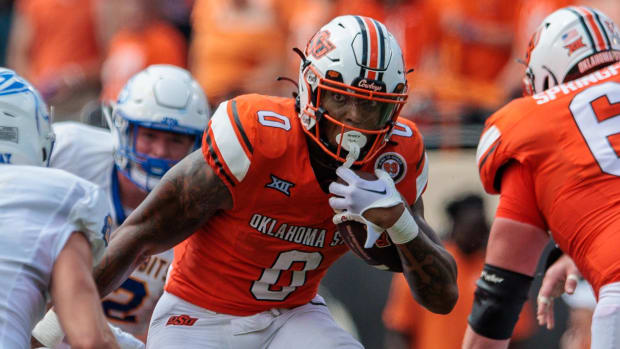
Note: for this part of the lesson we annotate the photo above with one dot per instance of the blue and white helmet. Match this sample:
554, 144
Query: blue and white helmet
26, 136
161, 97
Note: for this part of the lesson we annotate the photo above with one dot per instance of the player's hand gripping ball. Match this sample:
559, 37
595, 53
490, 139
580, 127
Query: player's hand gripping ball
382, 254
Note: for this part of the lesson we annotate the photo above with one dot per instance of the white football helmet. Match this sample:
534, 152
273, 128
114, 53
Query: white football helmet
161, 97
26, 136
355, 56
571, 42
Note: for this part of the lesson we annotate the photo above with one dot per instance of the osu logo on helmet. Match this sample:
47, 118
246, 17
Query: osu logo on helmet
320, 45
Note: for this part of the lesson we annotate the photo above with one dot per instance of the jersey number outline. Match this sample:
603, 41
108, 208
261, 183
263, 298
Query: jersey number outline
137, 290
273, 119
265, 288
402, 130
596, 132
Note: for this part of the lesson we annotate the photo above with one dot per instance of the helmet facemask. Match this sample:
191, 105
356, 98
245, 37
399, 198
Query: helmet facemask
143, 170
162, 98
380, 110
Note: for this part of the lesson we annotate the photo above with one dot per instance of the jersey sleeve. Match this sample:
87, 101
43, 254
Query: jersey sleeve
227, 144
90, 215
421, 176
65, 151
246, 135
487, 160
505, 138
411, 145
517, 201
82, 149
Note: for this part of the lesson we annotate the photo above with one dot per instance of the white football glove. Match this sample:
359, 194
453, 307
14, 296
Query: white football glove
360, 195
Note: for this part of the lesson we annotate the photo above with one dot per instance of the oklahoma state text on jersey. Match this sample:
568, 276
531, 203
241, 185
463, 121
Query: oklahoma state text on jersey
569, 139
274, 246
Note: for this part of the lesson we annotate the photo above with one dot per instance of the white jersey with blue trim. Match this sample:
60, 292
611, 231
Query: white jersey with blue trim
87, 152
39, 210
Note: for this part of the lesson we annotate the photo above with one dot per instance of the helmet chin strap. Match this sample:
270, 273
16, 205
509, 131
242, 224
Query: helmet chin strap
352, 142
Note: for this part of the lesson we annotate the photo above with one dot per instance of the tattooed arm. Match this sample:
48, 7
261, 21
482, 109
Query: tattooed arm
187, 196
429, 269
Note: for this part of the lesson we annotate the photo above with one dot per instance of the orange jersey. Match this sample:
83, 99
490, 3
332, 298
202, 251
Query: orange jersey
568, 139
276, 243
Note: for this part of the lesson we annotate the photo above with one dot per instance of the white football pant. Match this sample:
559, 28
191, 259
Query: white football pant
309, 326
606, 318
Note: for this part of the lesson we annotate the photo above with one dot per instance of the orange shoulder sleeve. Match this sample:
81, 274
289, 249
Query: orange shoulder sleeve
517, 200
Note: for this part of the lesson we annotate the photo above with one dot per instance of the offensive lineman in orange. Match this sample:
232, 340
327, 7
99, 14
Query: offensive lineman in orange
554, 159
250, 213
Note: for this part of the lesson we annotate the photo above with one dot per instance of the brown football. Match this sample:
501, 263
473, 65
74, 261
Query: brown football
383, 254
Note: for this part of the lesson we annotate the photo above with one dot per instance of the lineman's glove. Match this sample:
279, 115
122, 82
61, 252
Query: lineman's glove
360, 195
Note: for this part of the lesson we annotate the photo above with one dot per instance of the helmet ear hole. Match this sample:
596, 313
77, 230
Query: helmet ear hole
545, 83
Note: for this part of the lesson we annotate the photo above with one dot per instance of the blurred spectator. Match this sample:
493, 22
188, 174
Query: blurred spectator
54, 44
6, 8
142, 39
414, 23
458, 49
411, 326
529, 16
474, 46
240, 45
609, 7
178, 13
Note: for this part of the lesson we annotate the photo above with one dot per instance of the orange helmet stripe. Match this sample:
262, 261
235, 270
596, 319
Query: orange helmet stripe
593, 27
374, 49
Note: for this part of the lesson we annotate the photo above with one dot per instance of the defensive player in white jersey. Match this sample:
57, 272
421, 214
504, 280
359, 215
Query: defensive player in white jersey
158, 118
52, 225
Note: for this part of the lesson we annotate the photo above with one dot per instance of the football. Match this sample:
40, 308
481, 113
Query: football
383, 254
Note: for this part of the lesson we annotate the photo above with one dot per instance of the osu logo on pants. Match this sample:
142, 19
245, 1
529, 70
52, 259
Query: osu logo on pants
181, 320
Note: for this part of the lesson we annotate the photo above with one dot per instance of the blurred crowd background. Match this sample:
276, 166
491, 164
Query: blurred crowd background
465, 55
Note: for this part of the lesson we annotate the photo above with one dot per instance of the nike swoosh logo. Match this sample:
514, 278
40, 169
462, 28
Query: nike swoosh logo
383, 192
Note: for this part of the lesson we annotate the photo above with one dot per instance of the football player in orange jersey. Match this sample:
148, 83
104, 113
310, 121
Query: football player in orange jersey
251, 216
553, 157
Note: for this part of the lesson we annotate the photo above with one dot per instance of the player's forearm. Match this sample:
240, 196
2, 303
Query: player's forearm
118, 262
187, 196
430, 271
472, 340
76, 300
83, 321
